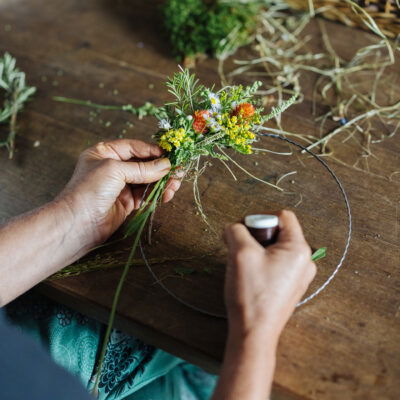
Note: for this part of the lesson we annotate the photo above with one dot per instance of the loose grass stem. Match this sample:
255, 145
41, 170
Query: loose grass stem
360, 117
249, 173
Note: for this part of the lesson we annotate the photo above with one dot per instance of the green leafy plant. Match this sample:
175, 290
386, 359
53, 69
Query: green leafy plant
209, 27
17, 93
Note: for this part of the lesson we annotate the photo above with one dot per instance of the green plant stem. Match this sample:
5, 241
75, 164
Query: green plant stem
154, 191
13, 131
115, 304
157, 192
154, 194
9, 143
88, 103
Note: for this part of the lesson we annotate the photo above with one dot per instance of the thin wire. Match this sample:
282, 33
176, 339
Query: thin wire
348, 210
317, 291
172, 294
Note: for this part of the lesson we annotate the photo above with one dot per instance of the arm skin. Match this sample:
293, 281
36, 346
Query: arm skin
262, 288
248, 366
35, 245
93, 205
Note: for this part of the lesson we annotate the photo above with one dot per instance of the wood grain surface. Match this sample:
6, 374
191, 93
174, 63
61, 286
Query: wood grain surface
342, 345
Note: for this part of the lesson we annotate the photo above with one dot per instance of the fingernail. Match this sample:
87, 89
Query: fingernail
162, 163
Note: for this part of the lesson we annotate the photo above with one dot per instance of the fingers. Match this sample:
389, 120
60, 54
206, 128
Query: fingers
237, 236
172, 187
144, 172
127, 200
289, 227
124, 149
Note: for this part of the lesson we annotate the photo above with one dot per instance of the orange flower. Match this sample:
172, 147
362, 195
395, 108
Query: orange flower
200, 121
245, 110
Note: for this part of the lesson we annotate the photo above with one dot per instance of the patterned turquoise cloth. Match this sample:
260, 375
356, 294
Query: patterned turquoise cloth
132, 369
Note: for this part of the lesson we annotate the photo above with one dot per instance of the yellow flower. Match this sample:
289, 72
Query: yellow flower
173, 138
237, 131
165, 145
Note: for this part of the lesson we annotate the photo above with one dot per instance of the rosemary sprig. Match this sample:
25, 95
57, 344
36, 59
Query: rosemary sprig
17, 92
185, 88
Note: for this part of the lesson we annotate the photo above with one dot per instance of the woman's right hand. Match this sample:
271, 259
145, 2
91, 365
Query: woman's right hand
263, 285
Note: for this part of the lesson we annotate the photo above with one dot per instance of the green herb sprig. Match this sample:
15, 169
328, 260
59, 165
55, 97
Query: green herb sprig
17, 93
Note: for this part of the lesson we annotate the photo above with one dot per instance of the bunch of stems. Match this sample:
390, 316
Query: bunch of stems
135, 227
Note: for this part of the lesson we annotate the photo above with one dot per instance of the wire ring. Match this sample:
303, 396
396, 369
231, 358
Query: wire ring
327, 281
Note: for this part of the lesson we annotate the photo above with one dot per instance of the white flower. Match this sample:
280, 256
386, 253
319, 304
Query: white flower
213, 124
164, 124
189, 117
234, 104
215, 102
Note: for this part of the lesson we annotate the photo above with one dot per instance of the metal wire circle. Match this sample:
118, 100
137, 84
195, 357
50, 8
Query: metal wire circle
327, 281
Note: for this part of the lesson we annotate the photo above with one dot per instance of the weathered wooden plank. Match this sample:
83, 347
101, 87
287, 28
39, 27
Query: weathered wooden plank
342, 345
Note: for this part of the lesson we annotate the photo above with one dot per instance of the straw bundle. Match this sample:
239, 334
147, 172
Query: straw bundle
386, 13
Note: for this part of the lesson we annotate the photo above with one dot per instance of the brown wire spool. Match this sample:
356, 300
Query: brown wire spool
386, 13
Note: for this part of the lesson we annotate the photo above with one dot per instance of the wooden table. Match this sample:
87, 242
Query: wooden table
342, 345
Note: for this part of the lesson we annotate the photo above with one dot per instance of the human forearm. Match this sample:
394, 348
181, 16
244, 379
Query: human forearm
37, 244
262, 288
248, 366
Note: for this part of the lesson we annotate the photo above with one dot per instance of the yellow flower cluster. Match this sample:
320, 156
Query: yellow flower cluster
174, 138
238, 131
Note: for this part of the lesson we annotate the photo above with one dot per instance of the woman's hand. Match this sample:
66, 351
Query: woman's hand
262, 288
263, 285
108, 184
93, 205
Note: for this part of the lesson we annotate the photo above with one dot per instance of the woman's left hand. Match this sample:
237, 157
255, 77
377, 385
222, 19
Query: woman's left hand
108, 184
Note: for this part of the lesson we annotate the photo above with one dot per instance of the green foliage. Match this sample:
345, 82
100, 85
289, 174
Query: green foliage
209, 27
280, 109
185, 88
17, 92
318, 254
177, 134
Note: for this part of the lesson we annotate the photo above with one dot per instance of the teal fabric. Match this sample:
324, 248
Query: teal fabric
132, 370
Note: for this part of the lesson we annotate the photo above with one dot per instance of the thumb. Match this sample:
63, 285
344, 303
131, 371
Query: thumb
238, 236
289, 227
145, 171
